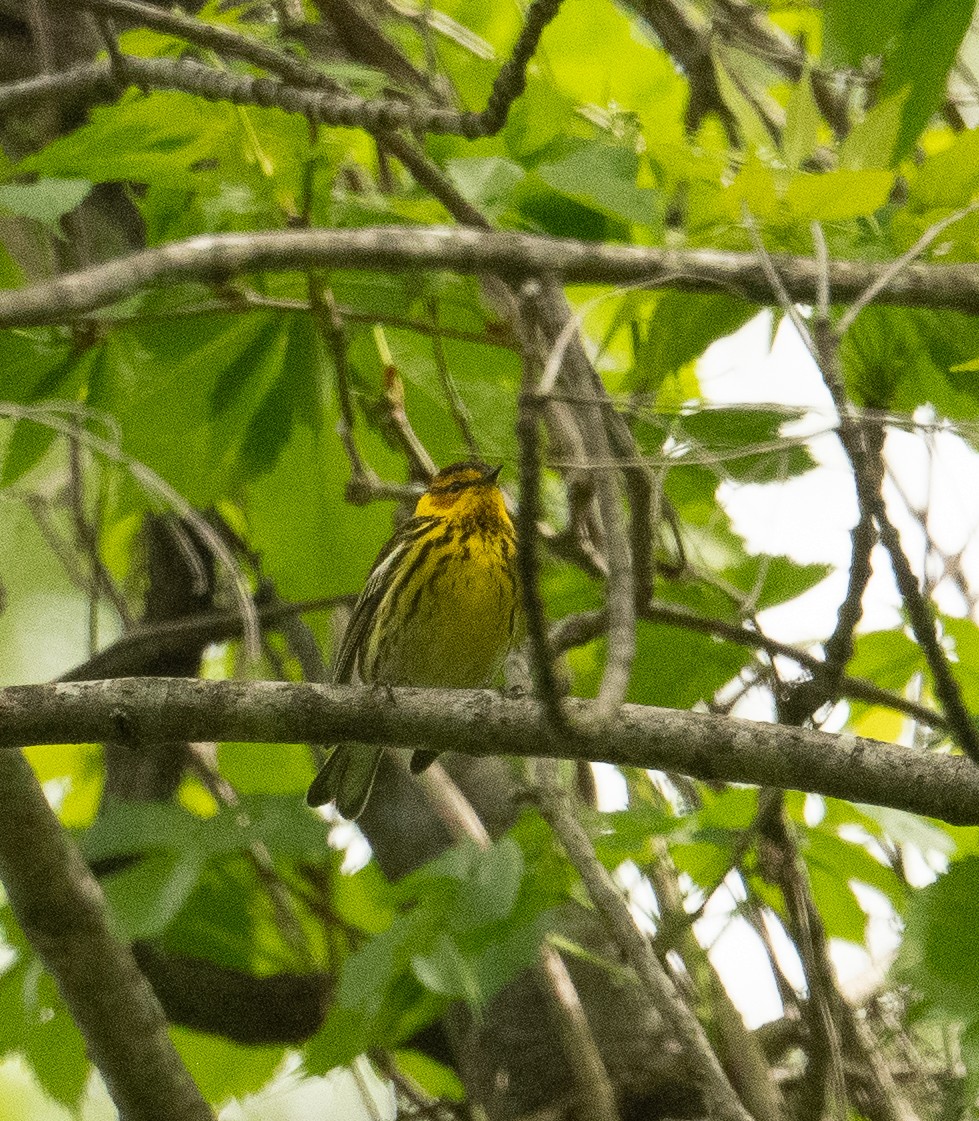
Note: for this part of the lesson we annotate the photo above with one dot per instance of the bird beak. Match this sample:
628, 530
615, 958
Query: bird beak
492, 475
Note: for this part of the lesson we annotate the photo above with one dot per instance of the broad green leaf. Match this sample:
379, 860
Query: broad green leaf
52, 1044
948, 179
443, 969
923, 55
226, 920
490, 893
938, 952
730, 808
146, 896
849, 860
966, 666
46, 201
738, 443
802, 123
487, 182
159, 137
768, 581
855, 31
294, 396
888, 658
35, 1021
834, 196
705, 862
631, 834
222, 1069
680, 328
432, 1077
872, 141
672, 668
312, 543
604, 178
838, 907
363, 899
265, 768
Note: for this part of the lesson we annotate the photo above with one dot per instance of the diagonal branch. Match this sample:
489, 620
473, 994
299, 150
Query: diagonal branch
63, 914
719, 1096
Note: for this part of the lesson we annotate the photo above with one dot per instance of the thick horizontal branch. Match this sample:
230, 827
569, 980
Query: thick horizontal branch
407, 249
482, 722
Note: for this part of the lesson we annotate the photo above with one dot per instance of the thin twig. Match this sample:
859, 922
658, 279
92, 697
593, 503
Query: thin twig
50, 417
785, 301
895, 268
421, 464
576, 630
214, 37
528, 516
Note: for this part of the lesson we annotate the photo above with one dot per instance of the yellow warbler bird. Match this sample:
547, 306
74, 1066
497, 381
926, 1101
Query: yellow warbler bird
439, 609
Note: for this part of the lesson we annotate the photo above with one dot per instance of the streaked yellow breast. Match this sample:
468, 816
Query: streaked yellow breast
450, 620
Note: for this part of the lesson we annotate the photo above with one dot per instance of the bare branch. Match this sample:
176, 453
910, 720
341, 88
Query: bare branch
214, 37
331, 105
481, 722
470, 252
574, 630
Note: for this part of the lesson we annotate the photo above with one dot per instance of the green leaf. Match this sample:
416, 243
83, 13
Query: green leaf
444, 970
675, 669
917, 41
363, 899
490, 892
849, 860
266, 768
922, 58
294, 396
603, 177
802, 122
225, 920
888, 658
948, 179
834, 196
35, 1021
487, 182
966, 666
159, 137
146, 896
705, 862
739, 443
681, 327
768, 581
222, 1069
938, 953
855, 31
435, 1079
871, 143
47, 201
732, 808
631, 834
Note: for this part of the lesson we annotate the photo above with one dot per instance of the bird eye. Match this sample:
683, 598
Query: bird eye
456, 487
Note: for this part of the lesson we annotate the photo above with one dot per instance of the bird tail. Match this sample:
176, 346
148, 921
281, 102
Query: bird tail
346, 778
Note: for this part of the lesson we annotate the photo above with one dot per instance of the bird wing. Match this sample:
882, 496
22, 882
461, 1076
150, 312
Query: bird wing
378, 582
